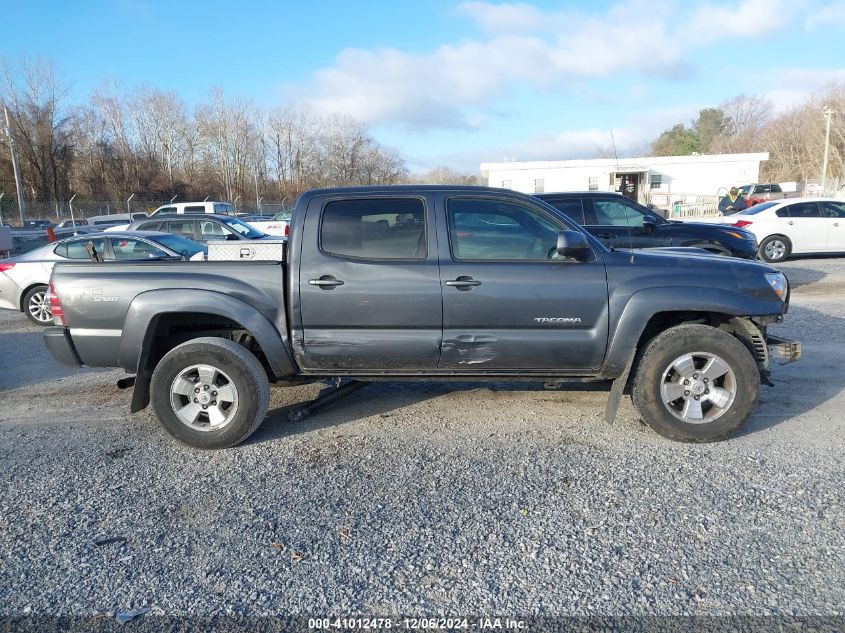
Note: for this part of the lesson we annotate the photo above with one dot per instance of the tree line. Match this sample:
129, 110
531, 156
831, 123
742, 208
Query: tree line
794, 138
152, 143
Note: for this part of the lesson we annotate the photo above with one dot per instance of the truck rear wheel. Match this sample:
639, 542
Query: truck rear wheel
210, 393
696, 383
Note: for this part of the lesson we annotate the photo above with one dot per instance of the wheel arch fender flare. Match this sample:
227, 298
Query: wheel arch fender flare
643, 305
146, 308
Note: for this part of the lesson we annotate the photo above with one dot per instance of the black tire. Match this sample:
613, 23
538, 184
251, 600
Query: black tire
671, 345
35, 306
775, 253
237, 365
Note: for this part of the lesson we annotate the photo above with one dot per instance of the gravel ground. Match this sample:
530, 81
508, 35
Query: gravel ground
427, 498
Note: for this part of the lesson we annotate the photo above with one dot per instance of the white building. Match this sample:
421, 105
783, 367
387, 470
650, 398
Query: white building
659, 180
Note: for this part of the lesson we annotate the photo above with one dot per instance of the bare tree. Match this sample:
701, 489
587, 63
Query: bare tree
42, 126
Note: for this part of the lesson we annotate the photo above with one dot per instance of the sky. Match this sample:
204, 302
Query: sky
457, 82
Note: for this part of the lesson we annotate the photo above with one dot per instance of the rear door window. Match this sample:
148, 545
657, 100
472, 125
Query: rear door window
379, 228
149, 226
802, 210
570, 207
180, 227
77, 249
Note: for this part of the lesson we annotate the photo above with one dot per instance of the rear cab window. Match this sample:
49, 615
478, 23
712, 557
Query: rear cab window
223, 208
374, 229
166, 211
194, 208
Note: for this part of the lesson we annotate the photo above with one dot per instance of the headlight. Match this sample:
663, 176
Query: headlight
778, 283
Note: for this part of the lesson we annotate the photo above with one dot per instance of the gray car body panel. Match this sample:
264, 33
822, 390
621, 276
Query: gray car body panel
388, 318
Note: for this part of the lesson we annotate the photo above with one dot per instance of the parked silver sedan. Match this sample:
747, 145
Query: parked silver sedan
24, 279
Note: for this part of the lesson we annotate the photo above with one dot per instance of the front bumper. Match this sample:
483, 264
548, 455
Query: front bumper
58, 342
782, 351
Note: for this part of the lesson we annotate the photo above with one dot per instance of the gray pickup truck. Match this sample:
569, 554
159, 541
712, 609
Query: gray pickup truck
434, 283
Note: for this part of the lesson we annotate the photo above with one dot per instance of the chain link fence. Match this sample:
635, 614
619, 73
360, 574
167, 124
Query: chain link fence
57, 212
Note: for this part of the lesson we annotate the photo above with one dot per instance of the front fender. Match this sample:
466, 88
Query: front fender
148, 306
641, 306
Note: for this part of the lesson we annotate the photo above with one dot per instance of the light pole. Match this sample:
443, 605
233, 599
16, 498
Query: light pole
828, 115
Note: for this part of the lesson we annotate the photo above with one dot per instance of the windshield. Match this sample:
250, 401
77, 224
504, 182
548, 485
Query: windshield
758, 207
179, 244
243, 228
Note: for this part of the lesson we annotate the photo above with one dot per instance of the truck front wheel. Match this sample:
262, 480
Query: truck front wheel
695, 383
210, 393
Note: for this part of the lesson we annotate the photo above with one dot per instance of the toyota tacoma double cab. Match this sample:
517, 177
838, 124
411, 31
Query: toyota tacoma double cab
434, 283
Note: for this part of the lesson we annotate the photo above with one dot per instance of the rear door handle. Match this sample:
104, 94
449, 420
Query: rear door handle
463, 282
326, 281
790, 223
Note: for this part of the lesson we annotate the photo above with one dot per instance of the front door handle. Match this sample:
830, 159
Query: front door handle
326, 281
464, 282
790, 223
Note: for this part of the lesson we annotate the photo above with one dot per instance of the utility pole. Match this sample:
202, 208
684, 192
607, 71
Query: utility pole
828, 115
15, 167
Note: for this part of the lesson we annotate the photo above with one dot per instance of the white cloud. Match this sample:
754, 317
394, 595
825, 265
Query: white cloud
756, 18
442, 87
831, 14
794, 86
503, 18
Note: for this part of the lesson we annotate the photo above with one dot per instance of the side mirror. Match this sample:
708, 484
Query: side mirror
649, 224
573, 244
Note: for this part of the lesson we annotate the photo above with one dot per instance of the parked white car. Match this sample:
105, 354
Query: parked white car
178, 208
278, 225
797, 226
24, 279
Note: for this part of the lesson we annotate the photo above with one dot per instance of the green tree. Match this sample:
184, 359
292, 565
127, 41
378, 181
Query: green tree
711, 125
679, 141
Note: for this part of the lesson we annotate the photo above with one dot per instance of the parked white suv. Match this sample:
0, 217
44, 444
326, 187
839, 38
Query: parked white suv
794, 227
178, 208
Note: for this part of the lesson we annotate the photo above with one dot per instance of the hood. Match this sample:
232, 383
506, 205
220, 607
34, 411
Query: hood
685, 257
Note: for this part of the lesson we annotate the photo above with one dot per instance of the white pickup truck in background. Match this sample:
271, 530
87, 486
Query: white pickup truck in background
178, 208
278, 224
